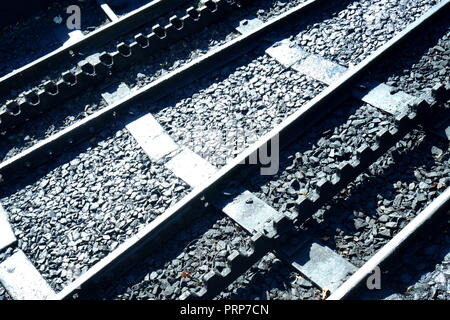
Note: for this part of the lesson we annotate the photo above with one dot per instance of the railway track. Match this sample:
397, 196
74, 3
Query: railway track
231, 197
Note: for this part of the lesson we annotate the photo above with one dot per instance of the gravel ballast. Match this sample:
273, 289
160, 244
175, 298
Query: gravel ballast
69, 218
205, 245
271, 279
225, 117
422, 67
317, 155
4, 294
421, 273
383, 200
358, 30
182, 261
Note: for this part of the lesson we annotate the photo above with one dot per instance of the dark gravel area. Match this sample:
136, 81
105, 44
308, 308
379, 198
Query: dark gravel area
422, 272
5, 254
383, 200
180, 263
317, 155
4, 294
433, 285
358, 30
40, 34
70, 217
421, 67
271, 279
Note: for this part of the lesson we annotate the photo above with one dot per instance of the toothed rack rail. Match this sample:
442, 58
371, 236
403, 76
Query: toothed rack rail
72, 82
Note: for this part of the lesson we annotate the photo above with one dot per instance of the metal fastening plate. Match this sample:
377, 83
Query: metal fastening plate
249, 211
92, 59
322, 265
381, 97
74, 37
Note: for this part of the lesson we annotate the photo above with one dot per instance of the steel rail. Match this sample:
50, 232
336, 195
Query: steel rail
39, 68
151, 236
438, 207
